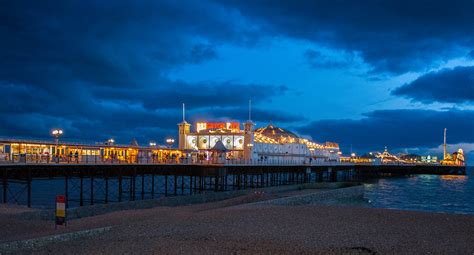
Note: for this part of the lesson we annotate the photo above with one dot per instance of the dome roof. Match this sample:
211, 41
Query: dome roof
276, 132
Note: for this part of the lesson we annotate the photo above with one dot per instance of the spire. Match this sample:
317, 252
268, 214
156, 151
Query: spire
444, 144
184, 114
250, 110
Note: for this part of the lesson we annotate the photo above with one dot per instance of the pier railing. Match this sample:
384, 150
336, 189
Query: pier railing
98, 160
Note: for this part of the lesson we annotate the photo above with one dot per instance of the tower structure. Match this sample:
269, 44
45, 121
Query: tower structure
249, 135
184, 129
444, 146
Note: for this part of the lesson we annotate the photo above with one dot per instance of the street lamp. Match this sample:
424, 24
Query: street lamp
170, 142
152, 143
111, 141
56, 133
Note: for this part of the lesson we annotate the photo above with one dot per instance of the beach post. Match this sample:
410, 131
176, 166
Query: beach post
60, 210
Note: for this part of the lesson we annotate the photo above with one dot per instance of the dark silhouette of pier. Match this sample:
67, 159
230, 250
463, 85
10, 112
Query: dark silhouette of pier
88, 184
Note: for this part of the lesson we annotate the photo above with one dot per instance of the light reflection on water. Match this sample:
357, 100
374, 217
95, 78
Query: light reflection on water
452, 194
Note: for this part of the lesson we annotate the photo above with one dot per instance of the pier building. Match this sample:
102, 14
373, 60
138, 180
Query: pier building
270, 143
18, 150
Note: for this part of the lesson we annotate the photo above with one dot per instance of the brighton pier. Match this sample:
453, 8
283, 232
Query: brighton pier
212, 157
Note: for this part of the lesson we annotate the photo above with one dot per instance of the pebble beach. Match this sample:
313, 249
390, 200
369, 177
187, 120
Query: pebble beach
236, 226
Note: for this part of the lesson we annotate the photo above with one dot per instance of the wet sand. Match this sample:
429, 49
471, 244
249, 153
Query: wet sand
225, 227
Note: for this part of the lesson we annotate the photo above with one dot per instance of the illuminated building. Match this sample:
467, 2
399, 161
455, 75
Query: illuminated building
269, 144
457, 158
209, 138
227, 141
429, 159
411, 158
277, 144
386, 157
16, 150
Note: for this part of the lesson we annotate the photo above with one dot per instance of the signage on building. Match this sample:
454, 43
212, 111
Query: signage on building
234, 126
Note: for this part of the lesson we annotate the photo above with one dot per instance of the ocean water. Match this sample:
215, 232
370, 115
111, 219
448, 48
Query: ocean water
449, 194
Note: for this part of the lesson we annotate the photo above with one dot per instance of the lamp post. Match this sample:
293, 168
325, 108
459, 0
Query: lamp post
152, 144
111, 141
170, 142
56, 133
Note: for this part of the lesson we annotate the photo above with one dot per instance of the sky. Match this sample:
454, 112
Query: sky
364, 74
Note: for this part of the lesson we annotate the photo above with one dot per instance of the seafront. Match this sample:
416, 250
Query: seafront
242, 226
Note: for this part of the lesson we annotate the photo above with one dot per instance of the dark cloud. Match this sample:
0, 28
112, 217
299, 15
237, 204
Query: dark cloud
118, 44
471, 54
197, 95
448, 85
99, 70
318, 59
201, 52
396, 129
241, 114
392, 36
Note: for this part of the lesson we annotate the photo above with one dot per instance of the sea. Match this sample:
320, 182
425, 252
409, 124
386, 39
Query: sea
432, 193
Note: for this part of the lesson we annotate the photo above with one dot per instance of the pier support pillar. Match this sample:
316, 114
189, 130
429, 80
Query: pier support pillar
153, 185
143, 186
120, 187
106, 179
175, 185
5, 186
332, 174
29, 188
66, 188
81, 190
92, 190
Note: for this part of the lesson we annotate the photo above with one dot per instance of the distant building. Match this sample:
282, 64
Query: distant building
429, 159
386, 157
411, 158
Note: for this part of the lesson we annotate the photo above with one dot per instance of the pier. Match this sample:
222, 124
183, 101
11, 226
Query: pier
88, 184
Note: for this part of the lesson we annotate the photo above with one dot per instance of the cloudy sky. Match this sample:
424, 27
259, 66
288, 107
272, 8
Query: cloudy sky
365, 74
